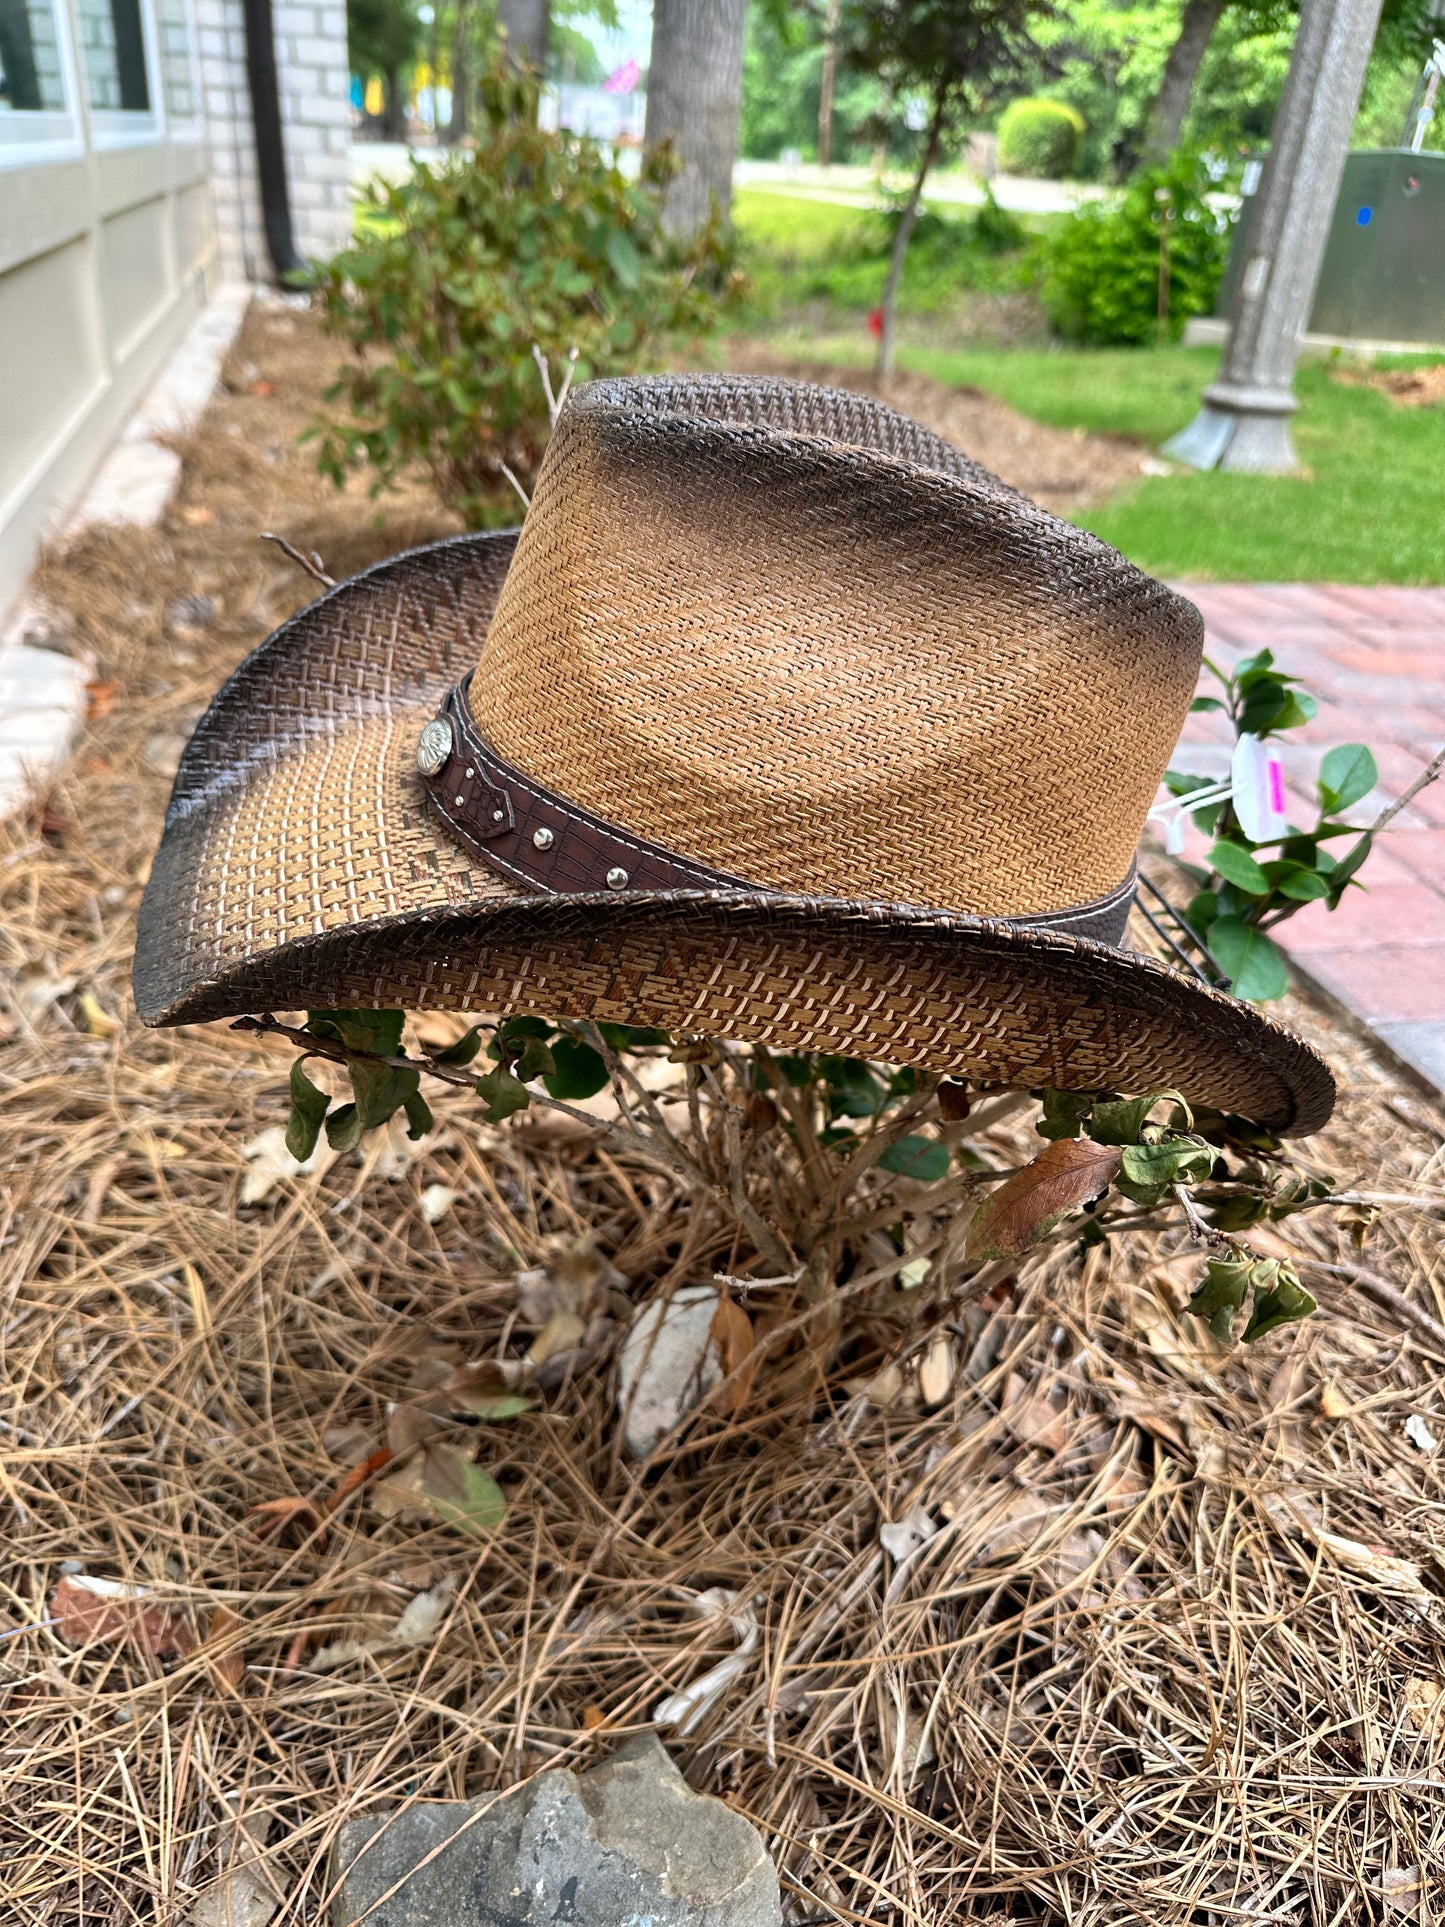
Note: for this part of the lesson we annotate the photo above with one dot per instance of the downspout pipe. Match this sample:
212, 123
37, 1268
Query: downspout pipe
270, 149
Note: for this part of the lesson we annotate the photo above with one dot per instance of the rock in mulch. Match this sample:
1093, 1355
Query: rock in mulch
628, 1842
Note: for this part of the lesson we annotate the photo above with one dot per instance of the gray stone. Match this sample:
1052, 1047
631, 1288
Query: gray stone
627, 1845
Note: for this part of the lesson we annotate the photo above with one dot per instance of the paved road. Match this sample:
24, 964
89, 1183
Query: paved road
842, 186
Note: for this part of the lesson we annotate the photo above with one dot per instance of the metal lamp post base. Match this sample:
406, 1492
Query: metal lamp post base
1241, 429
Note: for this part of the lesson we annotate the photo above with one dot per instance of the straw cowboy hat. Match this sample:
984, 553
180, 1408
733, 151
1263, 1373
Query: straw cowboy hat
779, 720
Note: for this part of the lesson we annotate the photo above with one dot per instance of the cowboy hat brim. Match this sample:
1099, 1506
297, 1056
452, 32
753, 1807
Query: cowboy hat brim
302, 867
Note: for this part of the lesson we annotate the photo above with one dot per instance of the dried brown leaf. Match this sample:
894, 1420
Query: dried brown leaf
89, 1610
1066, 1174
732, 1332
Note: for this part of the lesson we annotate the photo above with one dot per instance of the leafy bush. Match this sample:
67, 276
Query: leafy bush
1040, 137
995, 230
535, 239
1127, 273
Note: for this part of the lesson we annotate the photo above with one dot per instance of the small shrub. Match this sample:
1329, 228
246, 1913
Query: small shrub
995, 230
535, 239
1040, 137
1122, 274
1242, 890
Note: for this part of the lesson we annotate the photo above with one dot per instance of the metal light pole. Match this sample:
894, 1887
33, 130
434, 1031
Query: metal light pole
1244, 423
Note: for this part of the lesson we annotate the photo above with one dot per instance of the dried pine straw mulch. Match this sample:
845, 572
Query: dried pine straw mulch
1169, 1645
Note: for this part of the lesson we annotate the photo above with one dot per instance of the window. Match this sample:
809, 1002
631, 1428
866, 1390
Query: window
177, 73
30, 72
112, 46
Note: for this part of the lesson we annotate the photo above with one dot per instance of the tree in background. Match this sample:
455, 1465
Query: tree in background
385, 37
785, 67
694, 100
948, 58
1406, 28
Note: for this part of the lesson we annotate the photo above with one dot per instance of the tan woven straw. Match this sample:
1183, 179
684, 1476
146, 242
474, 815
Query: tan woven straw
793, 646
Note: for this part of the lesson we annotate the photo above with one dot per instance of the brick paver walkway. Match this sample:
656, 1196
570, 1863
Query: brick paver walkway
1375, 661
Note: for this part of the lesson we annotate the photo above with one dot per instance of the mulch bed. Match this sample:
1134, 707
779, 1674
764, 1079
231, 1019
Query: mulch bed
1157, 1635
1064, 469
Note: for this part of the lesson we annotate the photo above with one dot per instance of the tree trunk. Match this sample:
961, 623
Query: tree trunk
461, 74
884, 366
527, 25
393, 117
825, 95
434, 59
1171, 103
694, 97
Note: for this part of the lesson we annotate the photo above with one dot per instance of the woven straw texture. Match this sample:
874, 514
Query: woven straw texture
819, 649
302, 866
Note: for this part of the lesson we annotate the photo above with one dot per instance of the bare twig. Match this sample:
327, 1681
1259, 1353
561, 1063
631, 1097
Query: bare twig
1427, 775
312, 564
526, 498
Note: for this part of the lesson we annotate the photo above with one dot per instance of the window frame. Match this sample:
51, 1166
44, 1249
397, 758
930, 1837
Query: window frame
45, 136
113, 128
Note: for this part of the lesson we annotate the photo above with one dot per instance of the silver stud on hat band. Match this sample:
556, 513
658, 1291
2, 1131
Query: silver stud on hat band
433, 746
617, 879
543, 838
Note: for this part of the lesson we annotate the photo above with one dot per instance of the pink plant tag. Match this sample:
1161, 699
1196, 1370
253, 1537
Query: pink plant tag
1257, 790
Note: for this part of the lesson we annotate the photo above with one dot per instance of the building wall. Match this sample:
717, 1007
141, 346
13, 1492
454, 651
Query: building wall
314, 78
127, 191
106, 240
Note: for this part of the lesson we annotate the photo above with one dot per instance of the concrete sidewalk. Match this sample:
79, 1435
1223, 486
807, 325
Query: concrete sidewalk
1375, 661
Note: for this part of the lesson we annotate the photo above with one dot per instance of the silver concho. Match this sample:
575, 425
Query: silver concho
434, 746
617, 879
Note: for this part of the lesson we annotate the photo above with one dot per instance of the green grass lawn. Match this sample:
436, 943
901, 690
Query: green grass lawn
1369, 508
796, 251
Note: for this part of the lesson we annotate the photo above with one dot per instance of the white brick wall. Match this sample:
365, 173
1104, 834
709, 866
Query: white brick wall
313, 73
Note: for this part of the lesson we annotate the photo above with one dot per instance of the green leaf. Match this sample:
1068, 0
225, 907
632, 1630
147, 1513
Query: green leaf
502, 1094
514, 1031
419, 1119
378, 1031
621, 1037
1344, 871
854, 1088
496, 1406
308, 1108
1220, 1296
1122, 1120
1293, 880
622, 257
1254, 964
1064, 1113
344, 1128
463, 1050
463, 1495
536, 1060
380, 1089
1184, 1160
1346, 774
1237, 866
580, 1071
1285, 1301
1238, 1213
921, 1158
1202, 703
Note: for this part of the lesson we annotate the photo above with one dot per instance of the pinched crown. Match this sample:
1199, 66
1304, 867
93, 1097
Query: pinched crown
792, 635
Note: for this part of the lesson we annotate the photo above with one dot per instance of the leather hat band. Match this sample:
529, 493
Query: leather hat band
518, 826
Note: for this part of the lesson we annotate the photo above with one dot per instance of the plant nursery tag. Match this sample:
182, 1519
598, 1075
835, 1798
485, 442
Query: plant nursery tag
1257, 780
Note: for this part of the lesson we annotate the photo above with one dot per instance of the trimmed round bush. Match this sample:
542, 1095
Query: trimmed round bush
1040, 137
1101, 267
